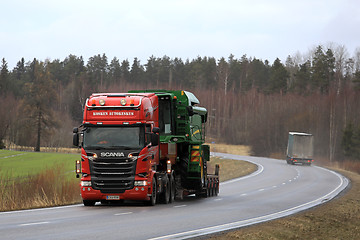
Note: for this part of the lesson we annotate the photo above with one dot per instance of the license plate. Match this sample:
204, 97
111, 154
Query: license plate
112, 197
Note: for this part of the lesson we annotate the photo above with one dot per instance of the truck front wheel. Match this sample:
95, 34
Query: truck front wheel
152, 200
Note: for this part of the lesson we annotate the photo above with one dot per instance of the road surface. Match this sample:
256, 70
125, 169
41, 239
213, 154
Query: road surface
275, 190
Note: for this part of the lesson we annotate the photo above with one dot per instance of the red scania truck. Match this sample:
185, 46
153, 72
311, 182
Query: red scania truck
143, 145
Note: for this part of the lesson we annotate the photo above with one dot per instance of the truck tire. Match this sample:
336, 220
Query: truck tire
212, 187
184, 162
165, 195
152, 200
172, 188
89, 203
208, 188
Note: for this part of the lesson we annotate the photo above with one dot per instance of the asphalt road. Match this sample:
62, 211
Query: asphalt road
274, 190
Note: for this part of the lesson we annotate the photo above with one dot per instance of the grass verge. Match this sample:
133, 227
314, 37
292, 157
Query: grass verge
45, 189
233, 149
33, 180
230, 169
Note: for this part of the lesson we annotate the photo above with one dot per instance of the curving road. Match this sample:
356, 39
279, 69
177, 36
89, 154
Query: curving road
274, 190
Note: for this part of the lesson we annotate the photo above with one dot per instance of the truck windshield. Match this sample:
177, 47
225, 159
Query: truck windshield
114, 138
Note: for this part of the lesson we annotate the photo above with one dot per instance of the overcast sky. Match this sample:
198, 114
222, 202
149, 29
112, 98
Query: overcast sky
265, 29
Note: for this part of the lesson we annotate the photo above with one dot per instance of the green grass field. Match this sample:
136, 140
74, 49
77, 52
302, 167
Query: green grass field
18, 164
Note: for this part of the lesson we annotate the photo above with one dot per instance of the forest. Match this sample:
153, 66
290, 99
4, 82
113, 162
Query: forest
250, 101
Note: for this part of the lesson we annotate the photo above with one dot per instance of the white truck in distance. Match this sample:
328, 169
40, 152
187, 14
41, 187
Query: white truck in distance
300, 148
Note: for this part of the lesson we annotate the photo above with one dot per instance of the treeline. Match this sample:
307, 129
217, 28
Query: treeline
250, 101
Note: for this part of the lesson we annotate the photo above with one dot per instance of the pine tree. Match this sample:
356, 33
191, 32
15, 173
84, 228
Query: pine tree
302, 78
323, 70
137, 72
4, 77
278, 78
97, 68
115, 71
40, 95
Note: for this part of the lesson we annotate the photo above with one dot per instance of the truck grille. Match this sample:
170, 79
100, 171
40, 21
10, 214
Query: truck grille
112, 175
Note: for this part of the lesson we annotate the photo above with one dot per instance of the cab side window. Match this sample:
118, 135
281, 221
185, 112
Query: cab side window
147, 136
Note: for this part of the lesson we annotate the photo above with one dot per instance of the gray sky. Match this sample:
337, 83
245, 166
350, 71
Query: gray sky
264, 29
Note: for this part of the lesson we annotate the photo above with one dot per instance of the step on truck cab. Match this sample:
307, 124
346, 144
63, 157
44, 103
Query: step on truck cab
143, 145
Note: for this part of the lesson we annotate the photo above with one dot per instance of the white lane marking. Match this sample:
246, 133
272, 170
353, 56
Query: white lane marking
179, 206
274, 186
260, 190
218, 199
40, 209
244, 194
283, 183
31, 224
125, 213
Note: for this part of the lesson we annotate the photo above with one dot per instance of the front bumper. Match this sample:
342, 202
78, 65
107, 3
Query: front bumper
137, 193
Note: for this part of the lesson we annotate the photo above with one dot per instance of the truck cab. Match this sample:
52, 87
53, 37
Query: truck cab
119, 147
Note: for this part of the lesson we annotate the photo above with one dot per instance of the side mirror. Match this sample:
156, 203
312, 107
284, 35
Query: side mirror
154, 139
156, 130
76, 137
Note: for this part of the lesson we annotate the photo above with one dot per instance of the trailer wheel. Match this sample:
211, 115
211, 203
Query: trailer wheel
212, 187
208, 188
165, 195
89, 203
184, 163
152, 200
172, 188
216, 188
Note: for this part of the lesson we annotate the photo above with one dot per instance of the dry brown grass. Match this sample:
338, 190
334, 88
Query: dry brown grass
45, 189
233, 149
230, 169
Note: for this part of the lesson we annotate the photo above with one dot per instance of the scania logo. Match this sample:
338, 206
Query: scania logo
112, 154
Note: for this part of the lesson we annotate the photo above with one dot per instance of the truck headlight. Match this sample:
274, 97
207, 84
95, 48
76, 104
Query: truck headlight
133, 156
86, 183
140, 183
